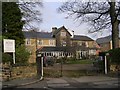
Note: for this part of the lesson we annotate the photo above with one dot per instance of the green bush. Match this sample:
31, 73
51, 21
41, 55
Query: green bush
114, 55
22, 55
6, 58
58, 60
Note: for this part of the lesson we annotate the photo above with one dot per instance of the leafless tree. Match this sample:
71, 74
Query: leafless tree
100, 15
31, 13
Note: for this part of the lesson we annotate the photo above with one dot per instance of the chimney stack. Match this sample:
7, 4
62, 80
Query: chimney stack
54, 29
73, 34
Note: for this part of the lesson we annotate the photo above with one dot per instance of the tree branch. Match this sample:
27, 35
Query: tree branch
97, 29
97, 18
29, 13
91, 12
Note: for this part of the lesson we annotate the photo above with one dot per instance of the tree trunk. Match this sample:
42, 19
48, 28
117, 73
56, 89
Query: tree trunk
115, 35
115, 26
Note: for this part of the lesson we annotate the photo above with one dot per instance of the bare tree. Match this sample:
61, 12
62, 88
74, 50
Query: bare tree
31, 13
100, 15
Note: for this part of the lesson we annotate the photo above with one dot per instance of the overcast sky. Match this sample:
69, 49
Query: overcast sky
51, 18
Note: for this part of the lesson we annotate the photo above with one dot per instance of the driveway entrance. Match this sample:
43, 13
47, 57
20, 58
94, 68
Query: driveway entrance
69, 70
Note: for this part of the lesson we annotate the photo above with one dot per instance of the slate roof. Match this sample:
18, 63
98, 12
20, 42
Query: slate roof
63, 27
49, 49
104, 39
33, 34
82, 38
70, 49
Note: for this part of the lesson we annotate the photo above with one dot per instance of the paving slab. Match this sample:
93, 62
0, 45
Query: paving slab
94, 78
57, 82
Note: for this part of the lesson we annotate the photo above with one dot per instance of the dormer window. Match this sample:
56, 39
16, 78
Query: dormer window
63, 34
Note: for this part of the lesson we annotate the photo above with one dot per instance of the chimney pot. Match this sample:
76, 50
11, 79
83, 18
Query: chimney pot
73, 33
53, 29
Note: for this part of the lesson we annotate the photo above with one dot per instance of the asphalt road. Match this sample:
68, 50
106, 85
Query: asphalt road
71, 67
75, 83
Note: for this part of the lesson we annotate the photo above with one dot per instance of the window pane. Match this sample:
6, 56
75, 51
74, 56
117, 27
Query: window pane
63, 33
40, 42
51, 42
28, 42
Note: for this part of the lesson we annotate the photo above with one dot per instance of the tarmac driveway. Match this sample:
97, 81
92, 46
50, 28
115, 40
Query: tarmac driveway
71, 66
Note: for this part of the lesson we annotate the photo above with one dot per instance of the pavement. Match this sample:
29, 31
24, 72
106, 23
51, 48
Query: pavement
64, 82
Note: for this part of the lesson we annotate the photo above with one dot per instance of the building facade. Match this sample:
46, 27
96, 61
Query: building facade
37, 40
63, 37
59, 43
105, 43
84, 45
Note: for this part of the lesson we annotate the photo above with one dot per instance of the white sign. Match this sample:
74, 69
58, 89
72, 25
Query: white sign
9, 45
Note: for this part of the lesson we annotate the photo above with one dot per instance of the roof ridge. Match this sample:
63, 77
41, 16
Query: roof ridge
104, 37
80, 35
58, 29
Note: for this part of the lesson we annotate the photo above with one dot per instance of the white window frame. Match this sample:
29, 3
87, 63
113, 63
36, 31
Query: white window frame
28, 41
80, 43
40, 42
86, 44
63, 34
52, 42
92, 52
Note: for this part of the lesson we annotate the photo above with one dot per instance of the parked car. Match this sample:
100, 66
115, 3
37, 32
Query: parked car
48, 61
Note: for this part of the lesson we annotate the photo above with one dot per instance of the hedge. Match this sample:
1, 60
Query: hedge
114, 55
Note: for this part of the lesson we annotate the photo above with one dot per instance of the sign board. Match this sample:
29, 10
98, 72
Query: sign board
9, 45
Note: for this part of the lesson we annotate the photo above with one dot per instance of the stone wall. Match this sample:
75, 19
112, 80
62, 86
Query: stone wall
5, 72
23, 72
18, 72
115, 67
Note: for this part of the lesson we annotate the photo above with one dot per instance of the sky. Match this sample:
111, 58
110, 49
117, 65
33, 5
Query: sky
51, 18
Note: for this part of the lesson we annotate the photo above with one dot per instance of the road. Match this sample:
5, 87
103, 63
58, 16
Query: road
76, 83
98, 81
71, 67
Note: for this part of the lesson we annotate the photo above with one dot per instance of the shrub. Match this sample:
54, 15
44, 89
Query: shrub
59, 60
114, 55
22, 55
6, 58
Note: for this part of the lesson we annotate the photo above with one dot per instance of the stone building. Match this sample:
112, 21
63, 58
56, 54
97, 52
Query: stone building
105, 43
59, 42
